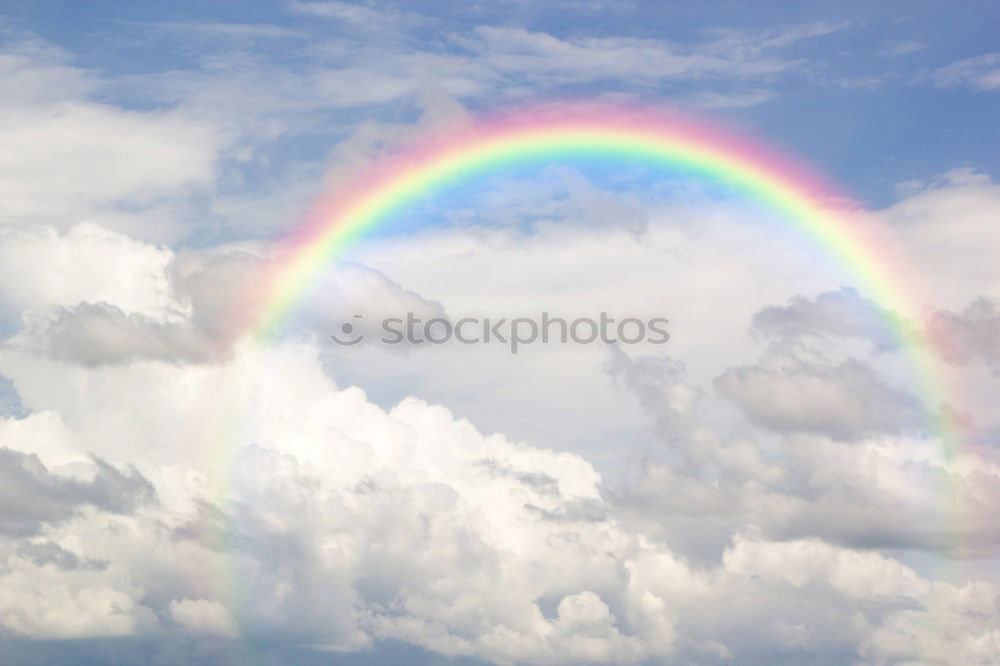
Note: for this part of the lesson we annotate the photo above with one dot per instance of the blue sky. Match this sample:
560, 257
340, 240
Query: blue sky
765, 488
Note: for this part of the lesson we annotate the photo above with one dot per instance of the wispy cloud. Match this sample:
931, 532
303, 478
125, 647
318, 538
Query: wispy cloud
897, 49
978, 73
542, 57
734, 100
236, 30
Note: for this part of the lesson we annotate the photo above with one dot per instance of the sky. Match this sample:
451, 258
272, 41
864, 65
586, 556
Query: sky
766, 487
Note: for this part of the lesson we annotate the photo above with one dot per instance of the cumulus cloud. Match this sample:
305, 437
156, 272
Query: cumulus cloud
349, 524
858, 491
361, 524
87, 263
46, 603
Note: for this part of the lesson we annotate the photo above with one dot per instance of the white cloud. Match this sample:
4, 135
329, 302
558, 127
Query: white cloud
76, 156
360, 524
86, 264
44, 602
939, 223
971, 635
80, 155
66, 154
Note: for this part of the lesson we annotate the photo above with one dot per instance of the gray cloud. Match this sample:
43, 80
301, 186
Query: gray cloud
539, 482
31, 496
97, 334
819, 486
42, 553
844, 313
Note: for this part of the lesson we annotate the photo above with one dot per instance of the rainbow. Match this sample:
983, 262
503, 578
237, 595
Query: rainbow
611, 134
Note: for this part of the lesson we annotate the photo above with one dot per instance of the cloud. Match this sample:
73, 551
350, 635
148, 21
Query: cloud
226, 123
232, 30
98, 333
45, 603
363, 17
33, 497
544, 58
66, 151
838, 314
978, 73
363, 525
864, 492
202, 616
906, 637
939, 223
901, 48
87, 263
185, 308
42, 553
846, 400
737, 40
38, 72
971, 335
734, 100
